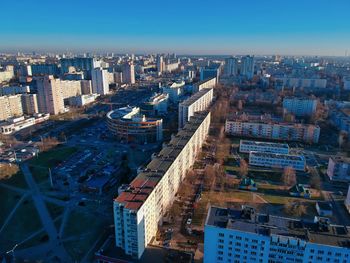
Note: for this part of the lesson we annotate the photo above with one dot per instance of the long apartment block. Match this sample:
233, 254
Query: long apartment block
245, 236
200, 101
274, 160
275, 131
246, 146
139, 210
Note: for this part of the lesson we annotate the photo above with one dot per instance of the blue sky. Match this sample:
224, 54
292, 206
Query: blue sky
182, 26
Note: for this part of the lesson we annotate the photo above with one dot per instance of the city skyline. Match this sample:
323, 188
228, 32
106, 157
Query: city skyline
298, 28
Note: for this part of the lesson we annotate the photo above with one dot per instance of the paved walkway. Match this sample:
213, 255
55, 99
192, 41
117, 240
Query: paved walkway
54, 243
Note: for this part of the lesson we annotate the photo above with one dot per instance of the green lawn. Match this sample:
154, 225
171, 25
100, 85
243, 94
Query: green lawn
9, 200
40, 165
21, 226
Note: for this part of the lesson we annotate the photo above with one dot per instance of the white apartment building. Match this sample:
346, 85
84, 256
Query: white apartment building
82, 100
50, 96
265, 147
7, 74
129, 73
245, 236
276, 131
175, 91
231, 66
99, 81
29, 104
247, 66
200, 101
157, 104
70, 88
275, 160
339, 169
205, 84
300, 106
139, 210
15, 124
291, 82
10, 106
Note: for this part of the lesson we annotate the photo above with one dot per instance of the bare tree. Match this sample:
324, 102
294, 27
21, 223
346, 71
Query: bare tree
296, 209
289, 177
243, 168
7, 170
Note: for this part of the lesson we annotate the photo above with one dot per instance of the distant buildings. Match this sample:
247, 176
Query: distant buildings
276, 131
300, 106
128, 125
209, 73
243, 235
231, 66
200, 101
50, 97
274, 160
44, 69
139, 210
247, 66
12, 90
79, 64
296, 82
129, 73
339, 168
265, 147
99, 81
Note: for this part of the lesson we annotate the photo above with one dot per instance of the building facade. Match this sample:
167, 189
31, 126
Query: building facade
276, 131
300, 106
129, 73
29, 104
231, 66
156, 105
99, 81
200, 101
139, 210
128, 125
245, 236
205, 84
275, 160
265, 147
247, 66
175, 91
339, 168
10, 106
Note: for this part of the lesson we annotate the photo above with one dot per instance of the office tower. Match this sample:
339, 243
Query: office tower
99, 78
10, 106
50, 97
247, 67
244, 235
160, 64
231, 66
29, 104
300, 106
129, 73
138, 210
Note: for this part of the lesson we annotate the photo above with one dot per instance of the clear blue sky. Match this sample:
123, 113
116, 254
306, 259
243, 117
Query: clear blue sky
182, 26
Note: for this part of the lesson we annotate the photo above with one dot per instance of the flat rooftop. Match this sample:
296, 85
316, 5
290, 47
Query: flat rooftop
195, 97
248, 220
279, 156
268, 144
146, 181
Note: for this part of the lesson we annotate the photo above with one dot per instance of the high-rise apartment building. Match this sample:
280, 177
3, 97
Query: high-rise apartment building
139, 210
99, 78
247, 66
129, 73
29, 104
50, 97
10, 106
231, 66
200, 101
79, 63
245, 236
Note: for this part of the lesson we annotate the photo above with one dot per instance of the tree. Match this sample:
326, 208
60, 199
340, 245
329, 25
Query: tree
7, 170
289, 177
296, 209
315, 180
243, 168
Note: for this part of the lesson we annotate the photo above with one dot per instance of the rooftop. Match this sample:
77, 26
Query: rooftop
145, 182
279, 156
195, 97
269, 144
248, 220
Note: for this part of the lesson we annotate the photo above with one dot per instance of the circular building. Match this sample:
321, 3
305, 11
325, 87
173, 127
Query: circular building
128, 125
